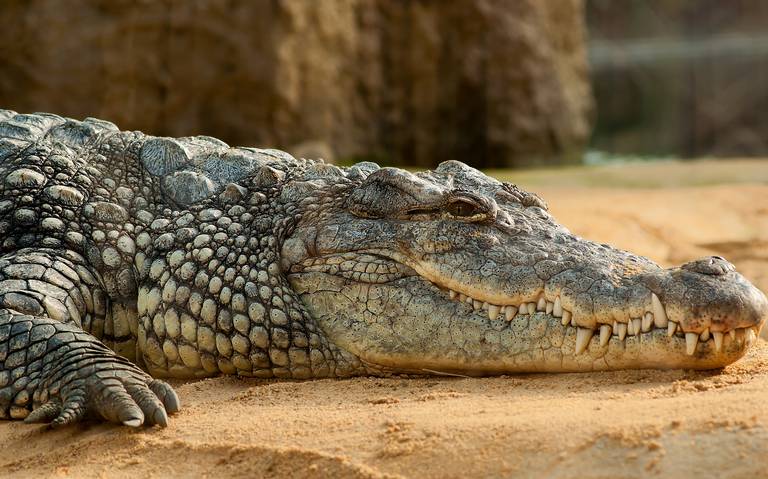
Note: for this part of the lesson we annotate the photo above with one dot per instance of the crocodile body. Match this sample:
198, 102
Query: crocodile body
125, 258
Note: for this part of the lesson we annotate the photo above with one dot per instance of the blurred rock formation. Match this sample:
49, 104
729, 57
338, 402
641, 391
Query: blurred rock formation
681, 78
491, 82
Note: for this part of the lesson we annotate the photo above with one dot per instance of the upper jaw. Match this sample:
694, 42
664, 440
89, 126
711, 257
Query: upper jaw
700, 301
743, 324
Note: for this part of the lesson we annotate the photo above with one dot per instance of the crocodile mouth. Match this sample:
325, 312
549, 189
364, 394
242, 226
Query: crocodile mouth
654, 324
651, 324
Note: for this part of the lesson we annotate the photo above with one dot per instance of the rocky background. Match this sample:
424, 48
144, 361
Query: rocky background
490, 82
684, 78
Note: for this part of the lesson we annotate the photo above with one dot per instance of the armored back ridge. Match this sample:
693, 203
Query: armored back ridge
127, 257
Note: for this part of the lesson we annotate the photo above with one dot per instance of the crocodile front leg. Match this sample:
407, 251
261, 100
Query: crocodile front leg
55, 372
51, 368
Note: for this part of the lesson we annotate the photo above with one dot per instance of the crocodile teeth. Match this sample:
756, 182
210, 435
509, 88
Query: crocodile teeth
718, 337
647, 322
671, 327
691, 340
732, 334
566, 317
476, 304
541, 305
605, 334
583, 335
493, 311
468, 299
704, 336
749, 336
452, 294
510, 312
531, 308
622, 329
557, 308
550, 307
633, 327
658, 309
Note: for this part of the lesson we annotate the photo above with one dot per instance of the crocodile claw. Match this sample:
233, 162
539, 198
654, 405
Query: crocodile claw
126, 397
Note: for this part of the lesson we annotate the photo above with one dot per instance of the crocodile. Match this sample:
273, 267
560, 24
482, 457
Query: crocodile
127, 258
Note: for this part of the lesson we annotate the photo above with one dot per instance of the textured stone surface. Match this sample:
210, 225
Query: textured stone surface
488, 82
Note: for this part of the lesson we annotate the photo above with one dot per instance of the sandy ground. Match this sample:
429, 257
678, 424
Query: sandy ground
592, 425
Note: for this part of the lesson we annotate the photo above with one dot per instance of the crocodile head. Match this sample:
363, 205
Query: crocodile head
452, 271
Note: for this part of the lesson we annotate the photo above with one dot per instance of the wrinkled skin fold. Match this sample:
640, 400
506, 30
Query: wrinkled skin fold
127, 258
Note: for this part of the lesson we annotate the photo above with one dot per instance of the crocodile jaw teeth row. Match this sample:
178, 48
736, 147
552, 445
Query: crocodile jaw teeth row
654, 318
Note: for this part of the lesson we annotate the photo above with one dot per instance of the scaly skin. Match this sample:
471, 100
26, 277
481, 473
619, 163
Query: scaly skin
127, 257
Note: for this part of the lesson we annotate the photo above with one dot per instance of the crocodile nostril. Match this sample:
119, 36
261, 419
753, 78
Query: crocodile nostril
712, 266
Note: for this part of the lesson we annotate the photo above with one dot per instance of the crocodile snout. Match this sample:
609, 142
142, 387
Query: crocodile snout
720, 291
709, 295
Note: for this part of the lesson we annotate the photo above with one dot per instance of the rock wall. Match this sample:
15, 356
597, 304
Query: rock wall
489, 82
684, 78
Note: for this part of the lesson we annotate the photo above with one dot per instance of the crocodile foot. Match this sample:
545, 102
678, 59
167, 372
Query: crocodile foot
114, 393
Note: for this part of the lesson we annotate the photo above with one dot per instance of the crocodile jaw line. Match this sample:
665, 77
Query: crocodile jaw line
651, 340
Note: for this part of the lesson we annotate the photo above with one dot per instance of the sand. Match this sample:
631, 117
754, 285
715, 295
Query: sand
592, 425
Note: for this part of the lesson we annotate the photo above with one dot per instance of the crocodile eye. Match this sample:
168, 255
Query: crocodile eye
462, 208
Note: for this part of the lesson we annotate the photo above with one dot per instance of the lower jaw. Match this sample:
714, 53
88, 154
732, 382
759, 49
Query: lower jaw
649, 350
556, 353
